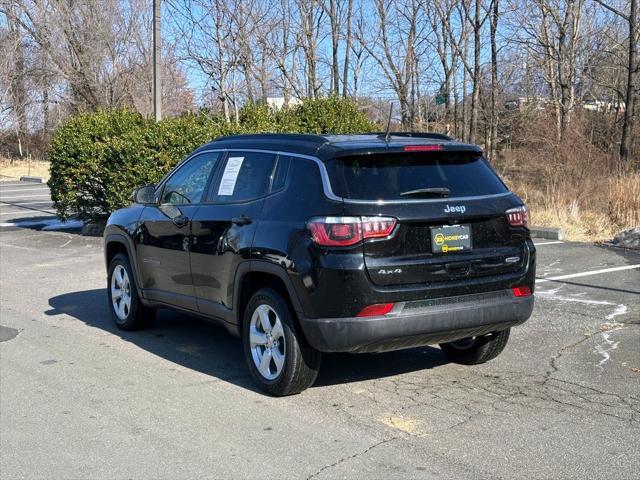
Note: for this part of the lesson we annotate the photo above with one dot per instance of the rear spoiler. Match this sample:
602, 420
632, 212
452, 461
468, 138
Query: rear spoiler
411, 147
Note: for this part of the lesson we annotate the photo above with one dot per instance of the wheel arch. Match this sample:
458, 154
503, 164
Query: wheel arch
115, 243
253, 275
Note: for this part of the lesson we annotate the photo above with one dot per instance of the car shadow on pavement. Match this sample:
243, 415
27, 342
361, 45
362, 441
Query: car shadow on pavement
208, 348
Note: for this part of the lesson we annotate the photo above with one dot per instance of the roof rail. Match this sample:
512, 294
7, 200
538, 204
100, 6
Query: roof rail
319, 139
432, 135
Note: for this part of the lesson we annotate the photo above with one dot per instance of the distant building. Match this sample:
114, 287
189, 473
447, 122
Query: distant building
540, 103
278, 102
603, 106
526, 103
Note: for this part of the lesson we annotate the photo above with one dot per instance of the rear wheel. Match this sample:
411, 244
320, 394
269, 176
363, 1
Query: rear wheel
279, 358
475, 350
126, 308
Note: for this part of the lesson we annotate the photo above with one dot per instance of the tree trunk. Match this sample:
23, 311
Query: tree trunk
18, 95
347, 51
632, 67
222, 67
335, 36
493, 134
264, 75
475, 97
248, 78
45, 112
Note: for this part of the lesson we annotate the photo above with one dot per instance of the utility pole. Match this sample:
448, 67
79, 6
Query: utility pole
157, 84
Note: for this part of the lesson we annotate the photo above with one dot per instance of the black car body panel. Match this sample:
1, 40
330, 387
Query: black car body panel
420, 323
197, 256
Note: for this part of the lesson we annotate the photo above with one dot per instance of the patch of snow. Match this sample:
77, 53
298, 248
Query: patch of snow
609, 345
605, 349
46, 224
628, 238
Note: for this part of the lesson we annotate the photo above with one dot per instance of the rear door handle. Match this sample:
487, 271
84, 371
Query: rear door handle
242, 220
180, 220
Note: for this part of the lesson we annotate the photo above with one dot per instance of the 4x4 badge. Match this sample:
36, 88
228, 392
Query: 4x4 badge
455, 209
382, 271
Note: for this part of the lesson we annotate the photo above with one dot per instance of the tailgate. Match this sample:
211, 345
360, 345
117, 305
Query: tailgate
451, 198
408, 256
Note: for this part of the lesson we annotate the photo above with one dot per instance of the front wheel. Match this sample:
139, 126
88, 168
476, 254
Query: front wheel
126, 308
475, 350
279, 358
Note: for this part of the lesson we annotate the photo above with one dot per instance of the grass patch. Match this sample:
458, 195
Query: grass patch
589, 196
13, 170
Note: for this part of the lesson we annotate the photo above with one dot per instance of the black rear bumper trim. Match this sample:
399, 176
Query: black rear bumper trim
449, 321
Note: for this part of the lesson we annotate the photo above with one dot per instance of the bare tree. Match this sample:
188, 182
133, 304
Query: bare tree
310, 21
331, 8
393, 48
493, 24
17, 75
440, 20
551, 30
204, 29
631, 18
347, 50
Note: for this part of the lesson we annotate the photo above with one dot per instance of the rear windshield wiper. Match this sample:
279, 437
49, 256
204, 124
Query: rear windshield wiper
428, 192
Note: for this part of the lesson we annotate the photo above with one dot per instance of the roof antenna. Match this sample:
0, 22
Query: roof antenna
388, 132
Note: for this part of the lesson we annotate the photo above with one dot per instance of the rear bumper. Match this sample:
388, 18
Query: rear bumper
419, 323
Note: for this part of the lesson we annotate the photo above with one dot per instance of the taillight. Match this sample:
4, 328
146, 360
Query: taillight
376, 309
377, 227
518, 217
423, 148
522, 291
345, 231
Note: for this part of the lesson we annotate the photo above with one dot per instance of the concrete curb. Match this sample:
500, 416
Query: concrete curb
548, 233
32, 179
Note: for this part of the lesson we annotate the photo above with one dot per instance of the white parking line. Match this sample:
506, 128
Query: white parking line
547, 243
22, 197
586, 274
30, 210
19, 204
23, 189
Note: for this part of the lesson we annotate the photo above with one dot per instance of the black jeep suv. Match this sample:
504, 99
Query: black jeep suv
302, 244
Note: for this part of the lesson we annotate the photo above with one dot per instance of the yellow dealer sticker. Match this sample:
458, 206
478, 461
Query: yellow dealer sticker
451, 238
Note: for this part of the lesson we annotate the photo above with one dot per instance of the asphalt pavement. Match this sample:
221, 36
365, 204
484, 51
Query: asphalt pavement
22, 200
29, 205
80, 399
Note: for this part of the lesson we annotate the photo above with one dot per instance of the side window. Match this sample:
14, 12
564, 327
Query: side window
244, 177
279, 175
189, 182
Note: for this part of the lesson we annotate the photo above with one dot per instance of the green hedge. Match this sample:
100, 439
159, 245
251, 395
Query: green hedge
98, 158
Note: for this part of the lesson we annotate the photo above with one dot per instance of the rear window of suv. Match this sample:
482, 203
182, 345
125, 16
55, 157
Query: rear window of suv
386, 176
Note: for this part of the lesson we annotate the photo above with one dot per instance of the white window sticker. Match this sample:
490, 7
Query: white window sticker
230, 175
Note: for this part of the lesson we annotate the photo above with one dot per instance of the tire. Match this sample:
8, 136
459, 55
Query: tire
128, 312
280, 360
476, 350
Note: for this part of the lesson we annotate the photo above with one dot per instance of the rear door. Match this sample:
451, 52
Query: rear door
223, 228
450, 208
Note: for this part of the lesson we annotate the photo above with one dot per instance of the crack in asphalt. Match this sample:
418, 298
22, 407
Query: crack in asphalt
351, 457
556, 357
445, 404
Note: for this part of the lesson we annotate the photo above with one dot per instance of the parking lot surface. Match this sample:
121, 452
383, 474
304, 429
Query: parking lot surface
21, 200
79, 398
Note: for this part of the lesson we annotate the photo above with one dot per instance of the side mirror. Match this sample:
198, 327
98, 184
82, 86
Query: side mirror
144, 195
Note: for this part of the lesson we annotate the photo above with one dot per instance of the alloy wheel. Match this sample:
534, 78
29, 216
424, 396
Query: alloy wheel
120, 292
267, 342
